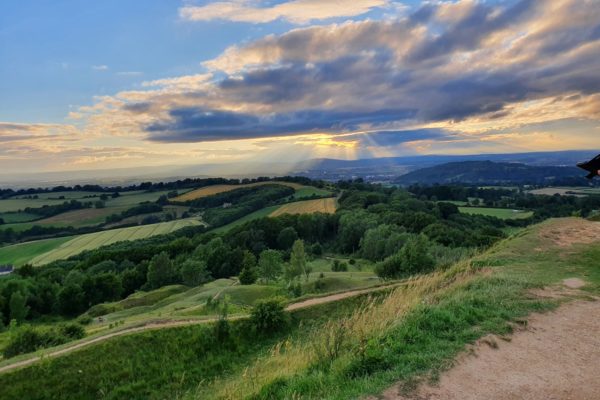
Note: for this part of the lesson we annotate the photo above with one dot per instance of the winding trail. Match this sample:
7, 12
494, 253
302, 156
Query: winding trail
178, 323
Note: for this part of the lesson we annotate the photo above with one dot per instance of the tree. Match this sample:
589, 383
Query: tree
194, 272
269, 265
268, 316
248, 274
381, 242
352, 228
160, 271
99, 204
18, 307
413, 258
297, 264
286, 238
101, 288
447, 209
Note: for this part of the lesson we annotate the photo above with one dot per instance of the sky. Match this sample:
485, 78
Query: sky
89, 85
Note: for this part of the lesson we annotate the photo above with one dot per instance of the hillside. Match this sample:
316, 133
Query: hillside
414, 331
491, 173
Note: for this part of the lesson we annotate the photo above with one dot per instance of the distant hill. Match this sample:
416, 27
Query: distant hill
489, 172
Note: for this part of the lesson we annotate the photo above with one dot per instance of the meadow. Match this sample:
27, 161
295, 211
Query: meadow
501, 213
22, 253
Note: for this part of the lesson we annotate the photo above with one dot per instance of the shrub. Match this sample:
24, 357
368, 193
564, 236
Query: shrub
269, 316
27, 339
72, 331
412, 259
339, 266
248, 276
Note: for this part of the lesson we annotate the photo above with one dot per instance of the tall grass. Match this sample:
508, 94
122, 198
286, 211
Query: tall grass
336, 339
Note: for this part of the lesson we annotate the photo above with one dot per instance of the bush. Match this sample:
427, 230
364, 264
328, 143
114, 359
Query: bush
413, 258
248, 276
28, 339
339, 266
72, 331
269, 316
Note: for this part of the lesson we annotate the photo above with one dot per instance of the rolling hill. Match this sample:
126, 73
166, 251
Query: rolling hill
490, 173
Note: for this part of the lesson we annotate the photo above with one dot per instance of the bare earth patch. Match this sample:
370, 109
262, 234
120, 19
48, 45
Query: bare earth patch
556, 357
574, 283
571, 231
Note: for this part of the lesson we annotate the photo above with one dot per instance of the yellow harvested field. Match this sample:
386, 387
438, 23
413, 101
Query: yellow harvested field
216, 189
327, 206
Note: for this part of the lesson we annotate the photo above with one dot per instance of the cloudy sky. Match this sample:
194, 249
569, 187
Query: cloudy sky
123, 83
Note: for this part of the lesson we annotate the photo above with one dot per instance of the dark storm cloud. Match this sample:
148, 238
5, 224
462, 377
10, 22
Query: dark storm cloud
194, 125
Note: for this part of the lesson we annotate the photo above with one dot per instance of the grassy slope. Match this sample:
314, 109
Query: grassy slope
502, 213
171, 302
418, 329
20, 254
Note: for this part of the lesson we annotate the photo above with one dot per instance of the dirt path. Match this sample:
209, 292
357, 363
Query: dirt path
173, 324
557, 357
334, 297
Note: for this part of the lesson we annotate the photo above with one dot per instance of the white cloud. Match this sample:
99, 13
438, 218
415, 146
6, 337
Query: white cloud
295, 11
100, 67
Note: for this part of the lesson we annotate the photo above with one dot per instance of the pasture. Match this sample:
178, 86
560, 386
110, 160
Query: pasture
12, 204
92, 241
502, 213
22, 253
327, 206
216, 189
16, 217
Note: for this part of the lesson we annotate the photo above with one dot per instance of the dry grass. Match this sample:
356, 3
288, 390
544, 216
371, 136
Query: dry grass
337, 338
216, 189
327, 206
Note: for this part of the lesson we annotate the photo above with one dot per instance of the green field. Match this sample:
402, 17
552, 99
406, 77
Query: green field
11, 205
16, 217
92, 241
19, 254
501, 213
264, 212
